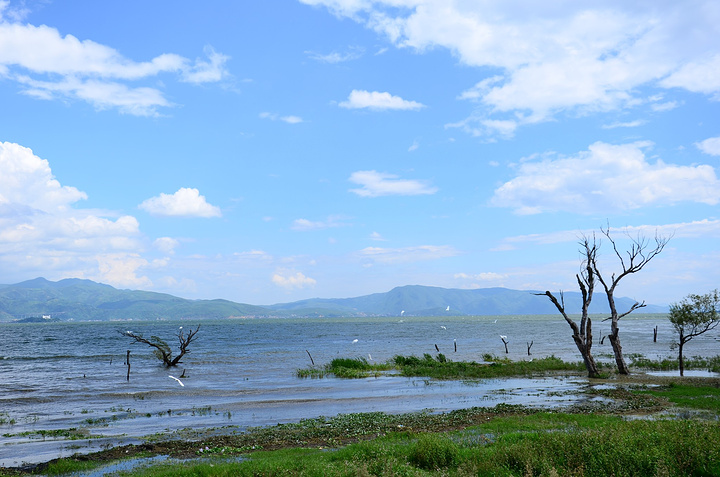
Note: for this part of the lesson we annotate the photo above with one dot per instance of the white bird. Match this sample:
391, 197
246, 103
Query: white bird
370, 357
503, 337
443, 327
495, 321
176, 379
448, 308
402, 313
355, 340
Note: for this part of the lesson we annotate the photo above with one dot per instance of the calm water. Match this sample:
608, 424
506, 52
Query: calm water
242, 373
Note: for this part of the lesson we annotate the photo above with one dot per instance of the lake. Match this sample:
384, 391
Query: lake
242, 373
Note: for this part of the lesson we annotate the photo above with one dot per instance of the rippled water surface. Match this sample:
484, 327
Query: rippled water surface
242, 373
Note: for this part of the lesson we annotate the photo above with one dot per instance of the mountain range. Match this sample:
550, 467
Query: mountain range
85, 300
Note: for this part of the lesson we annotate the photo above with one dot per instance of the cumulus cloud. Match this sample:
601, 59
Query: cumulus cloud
43, 233
544, 59
377, 184
407, 254
710, 146
605, 177
290, 281
186, 202
27, 181
374, 100
47, 65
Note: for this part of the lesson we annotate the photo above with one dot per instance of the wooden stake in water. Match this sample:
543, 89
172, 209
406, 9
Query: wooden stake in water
127, 361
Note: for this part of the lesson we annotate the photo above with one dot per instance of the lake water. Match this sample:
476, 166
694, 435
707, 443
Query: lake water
242, 373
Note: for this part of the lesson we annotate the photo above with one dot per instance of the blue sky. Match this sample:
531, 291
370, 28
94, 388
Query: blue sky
266, 152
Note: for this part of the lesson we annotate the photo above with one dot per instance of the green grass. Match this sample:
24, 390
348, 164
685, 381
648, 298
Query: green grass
704, 397
69, 466
346, 368
439, 367
669, 364
553, 444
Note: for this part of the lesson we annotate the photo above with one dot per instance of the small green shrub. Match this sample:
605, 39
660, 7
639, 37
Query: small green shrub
434, 451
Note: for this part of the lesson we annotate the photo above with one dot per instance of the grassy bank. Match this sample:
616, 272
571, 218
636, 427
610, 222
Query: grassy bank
504, 445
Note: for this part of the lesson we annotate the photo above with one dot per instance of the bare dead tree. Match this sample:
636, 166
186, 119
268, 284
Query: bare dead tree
582, 332
505, 342
641, 252
162, 350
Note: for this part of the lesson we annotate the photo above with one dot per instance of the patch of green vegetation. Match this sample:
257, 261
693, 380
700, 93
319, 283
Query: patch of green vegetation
71, 434
494, 367
669, 364
439, 367
704, 397
6, 419
346, 368
69, 466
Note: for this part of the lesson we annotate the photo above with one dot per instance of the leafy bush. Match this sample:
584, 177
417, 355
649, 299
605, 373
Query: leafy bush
433, 452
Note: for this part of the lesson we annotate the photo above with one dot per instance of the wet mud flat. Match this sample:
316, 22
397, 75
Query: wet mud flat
192, 415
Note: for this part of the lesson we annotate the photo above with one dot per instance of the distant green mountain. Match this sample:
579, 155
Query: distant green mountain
85, 300
416, 300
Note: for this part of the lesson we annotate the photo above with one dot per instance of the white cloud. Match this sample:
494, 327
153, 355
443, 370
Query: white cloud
377, 101
186, 202
710, 146
666, 106
42, 233
166, 244
286, 119
331, 222
335, 57
121, 270
484, 276
545, 58
705, 228
605, 177
27, 180
48, 65
290, 281
407, 254
376, 184
254, 255
627, 124
209, 71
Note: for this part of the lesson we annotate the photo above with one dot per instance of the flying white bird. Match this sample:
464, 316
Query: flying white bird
176, 379
448, 308
402, 313
441, 326
495, 321
355, 340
